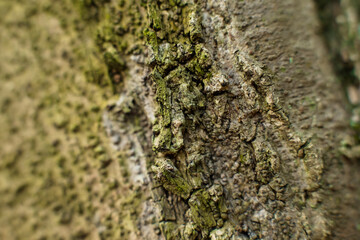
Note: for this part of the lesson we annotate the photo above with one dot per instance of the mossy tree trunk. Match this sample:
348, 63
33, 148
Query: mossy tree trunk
170, 119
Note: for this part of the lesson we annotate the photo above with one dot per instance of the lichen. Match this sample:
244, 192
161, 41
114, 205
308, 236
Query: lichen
224, 233
170, 178
199, 207
181, 64
172, 79
170, 230
192, 23
207, 210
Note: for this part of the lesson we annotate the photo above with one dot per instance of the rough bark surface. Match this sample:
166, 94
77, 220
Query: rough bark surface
172, 120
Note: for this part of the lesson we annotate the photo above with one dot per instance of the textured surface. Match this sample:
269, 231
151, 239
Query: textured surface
171, 120
59, 178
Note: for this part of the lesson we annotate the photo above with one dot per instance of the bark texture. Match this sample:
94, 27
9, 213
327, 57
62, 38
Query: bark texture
174, 120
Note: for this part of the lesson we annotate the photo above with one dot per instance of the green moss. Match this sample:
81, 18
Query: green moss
185, 50
162, 96
180, 66
177, 140
152, 40
190, 231
170, 178
170, 230
191, 98
155, 17
167, 55
203, 56
192, 23
162, 142
202, 62
200, 210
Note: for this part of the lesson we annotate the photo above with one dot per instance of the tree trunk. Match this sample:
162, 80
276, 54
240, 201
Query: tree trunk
178, 119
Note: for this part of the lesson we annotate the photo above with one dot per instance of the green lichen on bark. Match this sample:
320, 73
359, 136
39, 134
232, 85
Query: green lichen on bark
199, 208
181, 64
186, 82
170, 178
198, 123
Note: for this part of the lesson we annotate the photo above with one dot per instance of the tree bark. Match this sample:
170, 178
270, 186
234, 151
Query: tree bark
154, 119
